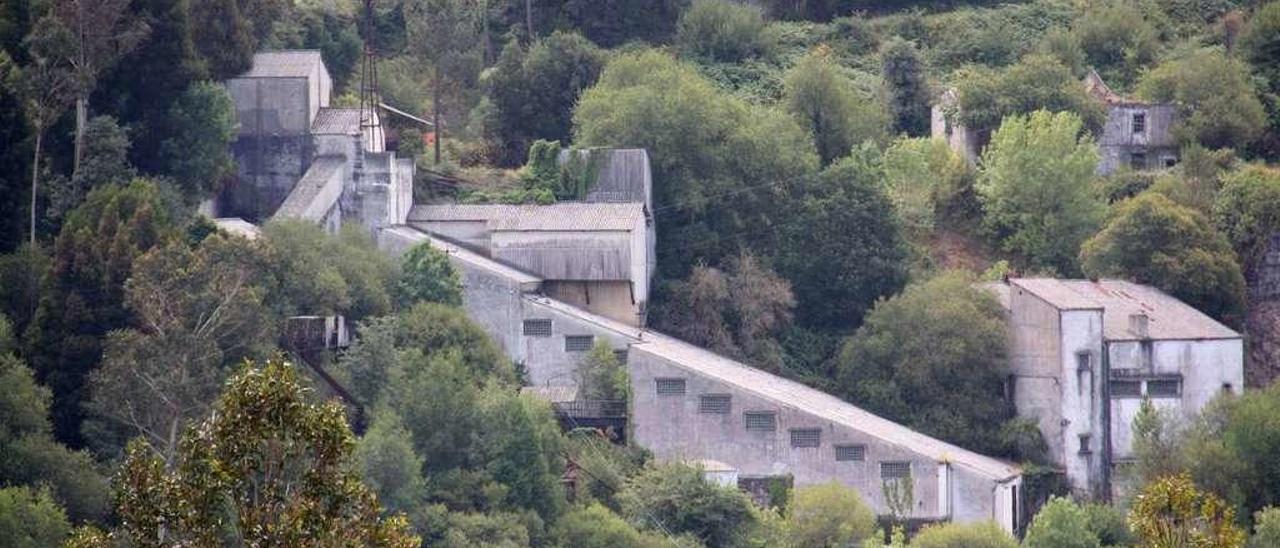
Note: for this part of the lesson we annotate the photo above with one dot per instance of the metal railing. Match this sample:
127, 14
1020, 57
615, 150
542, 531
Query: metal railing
592, 409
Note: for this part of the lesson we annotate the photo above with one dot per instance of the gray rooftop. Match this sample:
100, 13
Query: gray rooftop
564, 216
1169, 318
336, 121
284, 64
316, 192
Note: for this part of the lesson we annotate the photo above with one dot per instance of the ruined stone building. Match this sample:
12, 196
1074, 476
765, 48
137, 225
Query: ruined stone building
299, 157
1137, 134
1084, 354
549, 282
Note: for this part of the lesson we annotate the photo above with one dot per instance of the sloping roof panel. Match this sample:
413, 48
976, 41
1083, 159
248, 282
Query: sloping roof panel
564, 216
339, 121
284, 64
1168, 317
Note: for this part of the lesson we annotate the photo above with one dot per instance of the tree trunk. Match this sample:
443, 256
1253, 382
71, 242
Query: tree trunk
82, 119
35, 176
528, 18
435, 118
484, 25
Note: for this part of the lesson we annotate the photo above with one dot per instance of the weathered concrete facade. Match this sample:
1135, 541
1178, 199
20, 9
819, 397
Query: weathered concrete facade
297, 157
1085, 353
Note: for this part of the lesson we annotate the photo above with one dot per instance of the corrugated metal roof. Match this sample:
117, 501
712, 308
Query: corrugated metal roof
792, 394
568, 216
1168, 318
284, 64
339, 121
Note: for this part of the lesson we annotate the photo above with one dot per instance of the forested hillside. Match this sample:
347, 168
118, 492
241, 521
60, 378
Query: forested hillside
808, 224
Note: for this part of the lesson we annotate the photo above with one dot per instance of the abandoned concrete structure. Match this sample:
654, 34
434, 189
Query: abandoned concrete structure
1085, 353
689, 404
1137, 134
298, 157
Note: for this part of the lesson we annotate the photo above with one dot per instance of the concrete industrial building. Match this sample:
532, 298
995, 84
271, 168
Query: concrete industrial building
297, 157
549, 282
1085, 353
1137, 134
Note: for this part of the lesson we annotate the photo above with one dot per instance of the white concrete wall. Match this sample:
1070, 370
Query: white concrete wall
1036, 363
672, 427
1081, 398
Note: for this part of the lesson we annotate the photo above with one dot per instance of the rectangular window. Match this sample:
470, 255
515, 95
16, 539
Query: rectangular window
1084, 361
1164, 388
670, 387
578, 343
895, 470
1170, 161
806, 437
1126, 389
761, 421
537, 328
1139, 122
851, 453
1084, 444
1138, 160
716, 404
620, 355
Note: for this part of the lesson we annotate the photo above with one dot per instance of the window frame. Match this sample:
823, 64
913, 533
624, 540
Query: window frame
1176, 383
747, 422
709, 404
1111, 388
805, 438
578, 340
1139, 123
890, 464
669, 382
527, 332
856, 452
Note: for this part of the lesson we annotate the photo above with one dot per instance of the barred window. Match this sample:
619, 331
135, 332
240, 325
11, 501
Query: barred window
714, 403
537, 328
578, 343
806, 437
761, 421
620, 355
851, 453
1164, 388
1139, 122
895, 470
1126, 389
670, 387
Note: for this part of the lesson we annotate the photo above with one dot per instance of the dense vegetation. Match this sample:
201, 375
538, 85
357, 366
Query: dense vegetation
806, 227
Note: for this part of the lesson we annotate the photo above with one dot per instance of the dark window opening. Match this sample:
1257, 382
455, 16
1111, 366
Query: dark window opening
1165, 388
537, 328
1138, 160
1170, 162
1139, 122
717, 404
806, 437
670, 387
851, 453
895, 470
1084, 445
761, 421
578, 343
620, 355
1126, 389
1227, 388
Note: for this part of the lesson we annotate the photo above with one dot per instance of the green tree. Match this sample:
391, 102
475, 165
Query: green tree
44, 88
1108, 524
521, 444
83, 292
1034, 184
222, 36
389, 465
366, 367
1260, 44
197, 152
427, 276
532, 93
829, 514
828, 105
1216, 100
674, 498
1247, 211
433, 328
31, 457
1266, 528
933, 358
30, 518
197, 314
720, 30
443, 33
438, 399
1037, 82
601, 376
1060, 524
922, 176
1151, 240
862, 255
969, 535
739, 311
1118, 40
269, 467
595, 526
904, 74
706, 148
104, 161
318, 273
1172, 512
